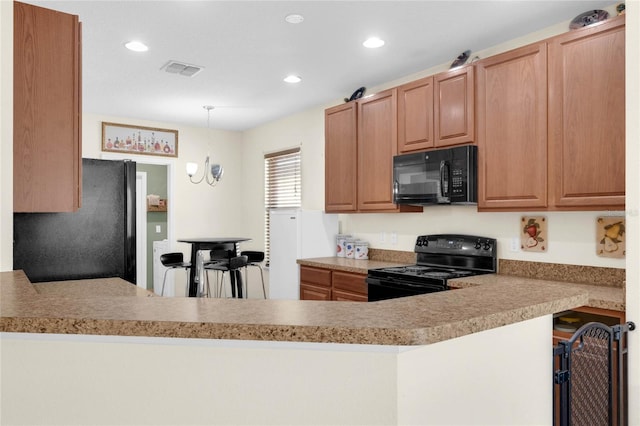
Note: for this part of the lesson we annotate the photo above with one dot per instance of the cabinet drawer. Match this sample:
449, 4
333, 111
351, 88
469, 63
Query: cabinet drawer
350, 282
345, 296
311, 292
315, 276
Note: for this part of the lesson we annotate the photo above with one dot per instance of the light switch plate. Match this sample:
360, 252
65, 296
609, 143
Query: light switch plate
515, 244
158, 229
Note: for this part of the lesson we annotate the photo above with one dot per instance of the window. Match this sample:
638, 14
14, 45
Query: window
282, 186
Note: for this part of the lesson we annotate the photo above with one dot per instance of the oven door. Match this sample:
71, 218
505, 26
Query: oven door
392, 288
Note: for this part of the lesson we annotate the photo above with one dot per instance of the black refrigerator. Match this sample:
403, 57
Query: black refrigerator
97, 241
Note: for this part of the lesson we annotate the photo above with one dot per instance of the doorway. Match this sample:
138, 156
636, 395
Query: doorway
165, 168
141, 229
153, 215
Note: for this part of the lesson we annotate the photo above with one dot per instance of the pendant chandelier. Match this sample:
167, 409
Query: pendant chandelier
212, 172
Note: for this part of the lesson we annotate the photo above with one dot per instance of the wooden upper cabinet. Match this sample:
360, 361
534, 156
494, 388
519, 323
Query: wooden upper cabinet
454, 107
341, 159
415, 115
377, 144
587, 117
512, 129
47, 110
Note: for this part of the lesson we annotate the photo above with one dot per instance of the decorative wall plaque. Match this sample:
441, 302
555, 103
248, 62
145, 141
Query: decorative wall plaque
610, 236
533, 233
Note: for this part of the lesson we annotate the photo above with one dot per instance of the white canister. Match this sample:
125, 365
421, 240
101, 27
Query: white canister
340, 244
350, 248
362, 250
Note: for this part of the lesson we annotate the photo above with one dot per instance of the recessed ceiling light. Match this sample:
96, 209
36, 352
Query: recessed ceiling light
292, 79
373, 43
294, 18
136, 46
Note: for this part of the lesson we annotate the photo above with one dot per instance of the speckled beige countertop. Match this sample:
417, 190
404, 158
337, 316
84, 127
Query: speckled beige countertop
605, 286
417, 320
349, 265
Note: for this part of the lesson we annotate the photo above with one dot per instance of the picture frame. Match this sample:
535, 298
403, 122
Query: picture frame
125, 138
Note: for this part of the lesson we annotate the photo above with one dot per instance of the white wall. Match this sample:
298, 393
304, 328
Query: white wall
476, 377
633, 201
6, 135
193, 210
572, 238
130, 380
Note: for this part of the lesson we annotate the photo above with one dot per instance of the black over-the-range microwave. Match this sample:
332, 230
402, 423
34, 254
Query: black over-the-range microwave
439, 176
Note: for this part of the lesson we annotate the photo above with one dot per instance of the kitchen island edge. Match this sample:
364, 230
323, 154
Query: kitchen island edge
419, 320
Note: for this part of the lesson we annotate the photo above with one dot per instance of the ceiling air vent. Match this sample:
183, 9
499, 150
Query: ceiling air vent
187, 70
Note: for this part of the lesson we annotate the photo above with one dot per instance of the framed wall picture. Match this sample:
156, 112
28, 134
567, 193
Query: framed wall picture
139, 140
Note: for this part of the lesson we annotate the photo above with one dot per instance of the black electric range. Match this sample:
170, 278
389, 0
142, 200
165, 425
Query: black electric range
439, 258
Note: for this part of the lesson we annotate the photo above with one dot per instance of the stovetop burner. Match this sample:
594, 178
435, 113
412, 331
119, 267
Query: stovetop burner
438, 258
426, 271
447, 256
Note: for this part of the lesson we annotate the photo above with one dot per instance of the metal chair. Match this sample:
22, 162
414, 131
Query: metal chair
254, 259
232, 266
219, 254
173, 261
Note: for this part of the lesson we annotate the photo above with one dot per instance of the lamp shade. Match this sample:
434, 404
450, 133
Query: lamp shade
192, 169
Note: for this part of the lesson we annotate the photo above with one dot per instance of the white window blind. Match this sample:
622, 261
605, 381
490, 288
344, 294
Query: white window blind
282, 187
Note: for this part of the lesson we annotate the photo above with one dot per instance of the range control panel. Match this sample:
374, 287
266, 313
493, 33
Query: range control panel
468, 245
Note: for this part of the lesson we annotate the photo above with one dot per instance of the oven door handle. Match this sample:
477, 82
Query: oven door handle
444, 173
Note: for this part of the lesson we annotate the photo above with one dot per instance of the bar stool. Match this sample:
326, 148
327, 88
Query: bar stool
254, 259
232, 266
218, 254
173, 261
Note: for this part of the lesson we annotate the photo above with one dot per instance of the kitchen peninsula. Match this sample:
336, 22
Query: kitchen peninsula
402, 361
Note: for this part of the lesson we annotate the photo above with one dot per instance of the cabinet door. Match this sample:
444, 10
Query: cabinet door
454, 107
415, 115
349, 282
341, 158
512, 129
46, 115
587, 117
377, 144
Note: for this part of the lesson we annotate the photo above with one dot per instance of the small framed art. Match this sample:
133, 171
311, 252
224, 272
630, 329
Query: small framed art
139, 140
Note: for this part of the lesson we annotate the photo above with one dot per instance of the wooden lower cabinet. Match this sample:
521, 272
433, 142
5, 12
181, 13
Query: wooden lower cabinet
345, 296
325, 284
315, 283
311, 292
347, 286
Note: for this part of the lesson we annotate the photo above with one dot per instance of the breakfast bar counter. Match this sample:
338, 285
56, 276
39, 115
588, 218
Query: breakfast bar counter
418, 320
406, 359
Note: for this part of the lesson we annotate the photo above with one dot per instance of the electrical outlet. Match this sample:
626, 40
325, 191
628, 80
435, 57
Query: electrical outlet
515, 244
382, 237
158, 229
394, 238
